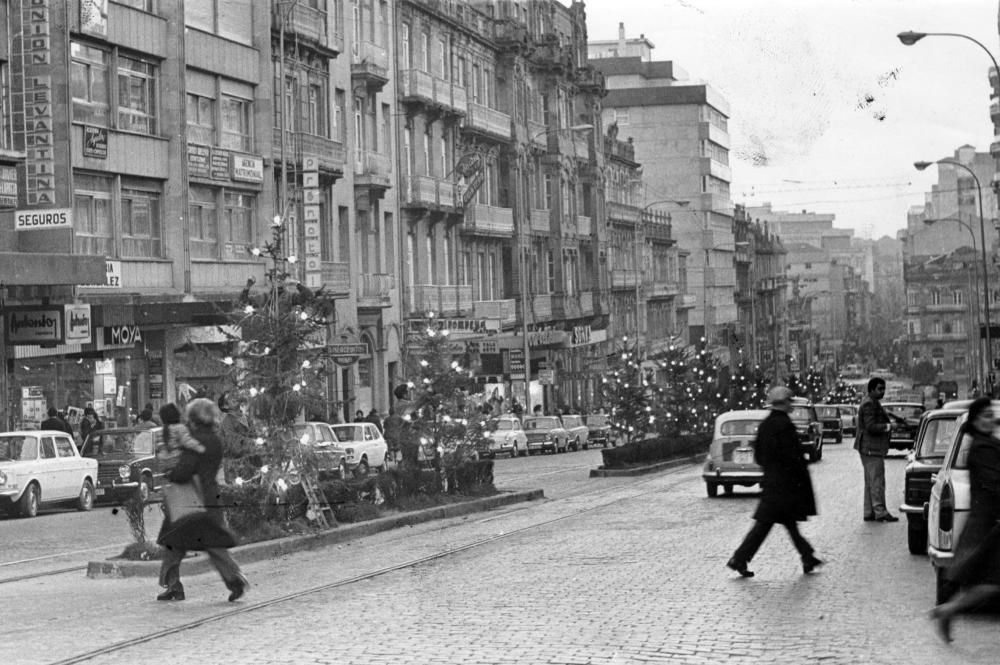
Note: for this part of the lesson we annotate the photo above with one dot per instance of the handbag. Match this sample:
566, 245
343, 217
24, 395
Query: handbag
183, 499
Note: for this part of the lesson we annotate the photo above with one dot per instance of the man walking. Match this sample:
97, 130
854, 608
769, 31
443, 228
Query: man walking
872, 443
787, 493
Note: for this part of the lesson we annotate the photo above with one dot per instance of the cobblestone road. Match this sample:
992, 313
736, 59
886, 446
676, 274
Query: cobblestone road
632, 572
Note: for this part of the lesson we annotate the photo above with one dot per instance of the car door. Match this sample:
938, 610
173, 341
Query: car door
71, 468
54, 482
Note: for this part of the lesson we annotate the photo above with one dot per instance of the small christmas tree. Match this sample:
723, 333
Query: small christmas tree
633, 394
748, 387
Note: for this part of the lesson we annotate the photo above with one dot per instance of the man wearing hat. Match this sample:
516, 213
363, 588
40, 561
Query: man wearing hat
787, 493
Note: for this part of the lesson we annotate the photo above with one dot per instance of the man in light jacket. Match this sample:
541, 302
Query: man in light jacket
872, 443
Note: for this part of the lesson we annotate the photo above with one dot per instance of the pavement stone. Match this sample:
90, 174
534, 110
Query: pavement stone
628, 573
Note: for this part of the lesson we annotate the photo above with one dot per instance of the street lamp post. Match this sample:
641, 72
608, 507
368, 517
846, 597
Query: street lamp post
920, 166
909, 38
526, 220
972, 234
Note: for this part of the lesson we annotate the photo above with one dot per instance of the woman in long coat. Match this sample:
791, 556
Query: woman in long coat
203, 530
787, 493
977, 556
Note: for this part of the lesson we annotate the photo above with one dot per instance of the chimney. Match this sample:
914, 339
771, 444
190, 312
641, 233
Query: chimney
621, 39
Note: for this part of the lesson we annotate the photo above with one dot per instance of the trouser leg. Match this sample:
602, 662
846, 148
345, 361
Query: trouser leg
874, 485
753, 540
170, 567
805, 550
225, 564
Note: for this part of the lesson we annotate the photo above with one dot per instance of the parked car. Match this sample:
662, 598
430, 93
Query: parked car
937, 430
43, 467
126, 462
546, 433
730, 458
598, 429
807, 424
829, 418
848, 419
578, 432
344, 450
507, 436
905, 417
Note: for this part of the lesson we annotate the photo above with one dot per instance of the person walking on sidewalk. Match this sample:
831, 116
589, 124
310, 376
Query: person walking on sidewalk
977, 557
872, 443
787, 493
204, 529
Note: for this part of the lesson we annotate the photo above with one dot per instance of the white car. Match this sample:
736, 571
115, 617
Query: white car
579, 433
508, 437
43, 467
730, 459
361, 447
848, 418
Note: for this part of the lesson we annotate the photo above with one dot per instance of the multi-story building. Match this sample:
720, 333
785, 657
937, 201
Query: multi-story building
680, 131
761, 334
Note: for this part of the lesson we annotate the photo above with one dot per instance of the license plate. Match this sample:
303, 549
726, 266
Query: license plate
100, 491
743, 457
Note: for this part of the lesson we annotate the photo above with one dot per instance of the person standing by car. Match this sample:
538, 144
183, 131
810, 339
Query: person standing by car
872, 444
54, 422
204, 530
89, 423
977, 556
787, 493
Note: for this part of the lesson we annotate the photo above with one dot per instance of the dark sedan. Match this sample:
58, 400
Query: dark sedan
905, 419
126, 462
830, 417
803, 416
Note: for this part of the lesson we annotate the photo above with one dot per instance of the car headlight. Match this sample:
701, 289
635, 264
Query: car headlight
3, 478
124, 471
349, 452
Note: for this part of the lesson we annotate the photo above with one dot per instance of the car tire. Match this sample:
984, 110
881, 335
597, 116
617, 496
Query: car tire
145, 490
85, 501
944, 588
576, 445
27, 505
586, 446
514, 452
916, 537
362, 469
385, 463
342, 471
712, 489
728, 489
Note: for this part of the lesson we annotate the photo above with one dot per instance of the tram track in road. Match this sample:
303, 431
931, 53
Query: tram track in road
242, 609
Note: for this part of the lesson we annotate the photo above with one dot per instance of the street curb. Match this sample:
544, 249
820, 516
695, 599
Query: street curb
601, 472
269, 549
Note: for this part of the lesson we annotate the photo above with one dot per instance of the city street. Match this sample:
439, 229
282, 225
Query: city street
618, 570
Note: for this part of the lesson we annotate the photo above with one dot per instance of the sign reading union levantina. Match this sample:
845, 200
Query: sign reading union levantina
34, 326
48, 218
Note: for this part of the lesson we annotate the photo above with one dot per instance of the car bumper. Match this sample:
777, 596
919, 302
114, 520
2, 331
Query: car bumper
501, 448
940, 558
115, 490
912, 510
542, 445
741, 476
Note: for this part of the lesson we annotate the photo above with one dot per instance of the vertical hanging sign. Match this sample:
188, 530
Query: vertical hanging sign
312, 262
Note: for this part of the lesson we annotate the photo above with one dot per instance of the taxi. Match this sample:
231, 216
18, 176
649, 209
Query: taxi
730, 459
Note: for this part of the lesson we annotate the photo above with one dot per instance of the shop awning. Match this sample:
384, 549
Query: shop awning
44, 269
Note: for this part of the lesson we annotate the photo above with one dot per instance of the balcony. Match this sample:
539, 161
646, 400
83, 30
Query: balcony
541, 306
372, 170
504, 310
428, 192
947, 337
537, 133
416, 86
624, 150
486, 121
583, 226
370, 66
540, 221
330, 154
308, 23
443, 300
566, 306
623, 212
489, 220
337, 277
586, 303
661, 289
948, 307
623, 278
375, 290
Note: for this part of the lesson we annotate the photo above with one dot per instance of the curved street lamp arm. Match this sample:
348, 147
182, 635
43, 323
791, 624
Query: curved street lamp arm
971, 39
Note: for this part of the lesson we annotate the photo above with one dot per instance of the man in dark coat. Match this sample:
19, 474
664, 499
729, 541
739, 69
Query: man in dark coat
872, 444
787, 493
54, 422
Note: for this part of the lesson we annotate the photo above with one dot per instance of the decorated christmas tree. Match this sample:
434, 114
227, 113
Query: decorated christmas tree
631, 391
707, 398
748, 387
678, 417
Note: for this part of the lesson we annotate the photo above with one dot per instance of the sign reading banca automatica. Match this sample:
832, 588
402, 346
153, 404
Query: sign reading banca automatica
49, 218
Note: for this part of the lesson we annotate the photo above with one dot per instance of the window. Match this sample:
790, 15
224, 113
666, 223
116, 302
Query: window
64, 447
425, 51
140, 211
449, 263
956, 297
89, 83
136, 95
356, 19
339, 128
236, 124
551, 272
443, 58
316, 120
404, 49
92, 215
548, 192
477, 77
359, 125
444, 157
6, 140
427, 150
935, 298
200, 119
203, 222
238, 228
226, 18
431, 268
621, 116
385, 142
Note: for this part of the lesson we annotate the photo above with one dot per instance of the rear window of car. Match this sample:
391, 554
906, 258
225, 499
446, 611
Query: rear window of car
572, 421
739, 427
905, 411
800, 413
938, 434
18, 448
505, 424
827, 411
541, 423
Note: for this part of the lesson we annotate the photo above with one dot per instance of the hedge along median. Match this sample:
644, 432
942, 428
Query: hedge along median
653, 454
267, 549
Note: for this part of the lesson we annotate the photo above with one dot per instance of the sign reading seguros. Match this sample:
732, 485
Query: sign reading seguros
43, 218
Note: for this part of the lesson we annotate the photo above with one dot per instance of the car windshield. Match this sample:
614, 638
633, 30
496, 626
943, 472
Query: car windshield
571, 421
739, 427
827, 411
904, 410
110, 444
597, 421
18, 448
505, 424
938, 434
348, 432
541, 423
800, 413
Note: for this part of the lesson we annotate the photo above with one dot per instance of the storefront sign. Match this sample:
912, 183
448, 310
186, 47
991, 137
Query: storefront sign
34, 326
104, 366
37, 88
347, 353
483, 347
126, 335
515, 364
34, 220
547, 377
95, 142
248, 168
78, 324
548, 338
581, 335
220, 164
199, 160
113, 280
466, 326
8, 187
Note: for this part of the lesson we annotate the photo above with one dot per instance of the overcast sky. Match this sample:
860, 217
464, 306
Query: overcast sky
829, 110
